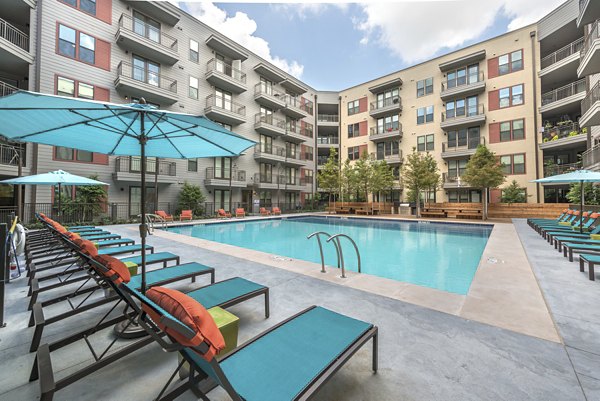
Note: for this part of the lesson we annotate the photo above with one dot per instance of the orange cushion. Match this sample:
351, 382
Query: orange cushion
86, 247
239, 210
585, 214
115, 268
594, 215
189, 312
72, 236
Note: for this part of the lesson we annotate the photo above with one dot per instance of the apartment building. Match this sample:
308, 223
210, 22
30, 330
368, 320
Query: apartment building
122, 51
531, 95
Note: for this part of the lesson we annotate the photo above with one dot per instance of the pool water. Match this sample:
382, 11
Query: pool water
437, 255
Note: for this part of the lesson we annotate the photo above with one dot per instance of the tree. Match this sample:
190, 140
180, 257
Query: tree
89, 200
382, 178
363, 171
514, 193
419, 172
591, 193
191, 198
484, 172
329, 177
348, 179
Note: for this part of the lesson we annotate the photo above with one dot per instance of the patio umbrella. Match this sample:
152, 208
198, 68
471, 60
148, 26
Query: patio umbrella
580, 176
116, 129
58, 177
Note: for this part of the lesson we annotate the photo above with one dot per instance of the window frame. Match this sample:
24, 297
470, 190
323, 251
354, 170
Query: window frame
353, 107
194, 55
510, 167
353, 152
354, 129
511, 130
76, 4
191, 95
510, 97
510, 62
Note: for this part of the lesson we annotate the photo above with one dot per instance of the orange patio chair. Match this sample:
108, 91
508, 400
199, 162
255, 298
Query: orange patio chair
186, 215
276, 211
240, 212
164, 215
222, 214
264, 212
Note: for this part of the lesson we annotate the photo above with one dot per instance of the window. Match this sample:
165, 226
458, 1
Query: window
83, 156
504, 95
388, 98
354, 152
457, 168
425, 115
62, 153
87, 48
290, 175
223, 99
146, 71
222, 167
266, 144
388, 124
194, 50
462, 107
291, 150
465, 137
424, 87
193, 92
266, 86
146, 27
265, 199
88, 6
85, 91
462, 76
66, 41
68, 87
511, 62
513, 164
425, 142
512, 130
517, 95
266, 172
193, 165
512, 96
226, 126
353, 107
353, 130
221, 199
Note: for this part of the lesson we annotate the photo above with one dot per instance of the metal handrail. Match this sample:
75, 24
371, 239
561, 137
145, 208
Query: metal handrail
563, 92
14, 35
7, 89
337, 249
562, 53
226, 69
469, 79
590, 37
341, 255
140, 74
167, 41
225, 104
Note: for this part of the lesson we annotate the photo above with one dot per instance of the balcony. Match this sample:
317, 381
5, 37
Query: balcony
460, 148
9, 159
269, 181
559, 66
560, 99
328, 120
269, 125
269, 153
556, 169
237, 179
590, 52
14, 49
563, 135
138, 82
294, 159
296, 184
297, 107
269, 97
453, 182
7, 89
473, 84
146, 40
393, 160
381, 108
159, 10
321, 161
226, 77
225, 111
590, 159
378, 134
299, 134
469, 117
463, 61
588, 12
590, 107
128, 169
328, 142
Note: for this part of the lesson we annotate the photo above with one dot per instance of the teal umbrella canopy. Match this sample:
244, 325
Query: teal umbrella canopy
58, 177
573, 176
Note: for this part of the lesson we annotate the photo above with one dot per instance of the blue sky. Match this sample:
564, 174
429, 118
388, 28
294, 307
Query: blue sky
335, 46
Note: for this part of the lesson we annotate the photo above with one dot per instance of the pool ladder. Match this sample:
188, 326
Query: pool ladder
338, 248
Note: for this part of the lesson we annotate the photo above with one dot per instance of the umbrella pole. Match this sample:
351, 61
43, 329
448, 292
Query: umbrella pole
143, 227
581, 210
59, 208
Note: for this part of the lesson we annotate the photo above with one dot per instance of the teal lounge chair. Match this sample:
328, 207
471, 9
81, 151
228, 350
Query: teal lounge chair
84, 230
592, 260
550, 235
580, 241
113, 242
569, 248
100, 237
120, 250
290, 361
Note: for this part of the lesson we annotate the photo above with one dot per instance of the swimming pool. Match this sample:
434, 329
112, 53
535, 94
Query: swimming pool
444, 256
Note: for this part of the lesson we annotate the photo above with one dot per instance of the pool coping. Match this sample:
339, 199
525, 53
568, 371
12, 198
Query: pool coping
504, 291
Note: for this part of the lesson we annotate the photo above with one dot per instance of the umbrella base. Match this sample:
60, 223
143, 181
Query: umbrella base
133, 331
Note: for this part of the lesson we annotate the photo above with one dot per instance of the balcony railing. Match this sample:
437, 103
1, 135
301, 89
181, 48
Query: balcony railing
9, 155
321, 160
301, 103
561, 130
467, 111
220, 102
592, 97
306, 131
331, 140
563, 92
591, 36
236, 175
328, 118
380, 130
591, 156
556, 169
462, 81
562, 53
461, 145
6, 89
147, 31
263, 89
269, 179
226, 69
14, 35
448, 178
269, 119
128, 70
382, 104
134, 165
269, 149
307, 156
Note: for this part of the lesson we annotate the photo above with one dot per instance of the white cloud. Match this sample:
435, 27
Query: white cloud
240, 28
306, 9
416, 30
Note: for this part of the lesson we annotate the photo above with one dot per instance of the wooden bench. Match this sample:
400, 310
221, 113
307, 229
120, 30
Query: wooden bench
341, 210
433, 213
362, 211
469, 215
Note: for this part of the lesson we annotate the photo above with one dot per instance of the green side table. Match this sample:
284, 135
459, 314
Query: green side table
132, 267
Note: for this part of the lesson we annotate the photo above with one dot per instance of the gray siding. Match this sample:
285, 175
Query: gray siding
558, 18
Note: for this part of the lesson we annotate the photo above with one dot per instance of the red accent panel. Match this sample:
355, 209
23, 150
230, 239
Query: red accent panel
495, 195
493, 100
362, 104
494, 132
493, 67
104, 10
362, 128
302, 173
100, 158
362, 149
103, 54
101, 94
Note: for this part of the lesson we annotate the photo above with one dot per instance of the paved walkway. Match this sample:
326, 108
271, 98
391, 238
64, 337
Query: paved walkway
424, 354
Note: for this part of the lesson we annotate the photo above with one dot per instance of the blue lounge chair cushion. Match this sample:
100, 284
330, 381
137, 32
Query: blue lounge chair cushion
100, 237
86, 230
79, 227
151, 258
582, 241
279, 365
169, 273
590, 258
565, 238
588, 247
122, 249
218, 293
90, 233
111, 242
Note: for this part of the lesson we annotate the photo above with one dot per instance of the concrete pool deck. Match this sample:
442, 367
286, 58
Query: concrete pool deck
504, 291
424, 354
